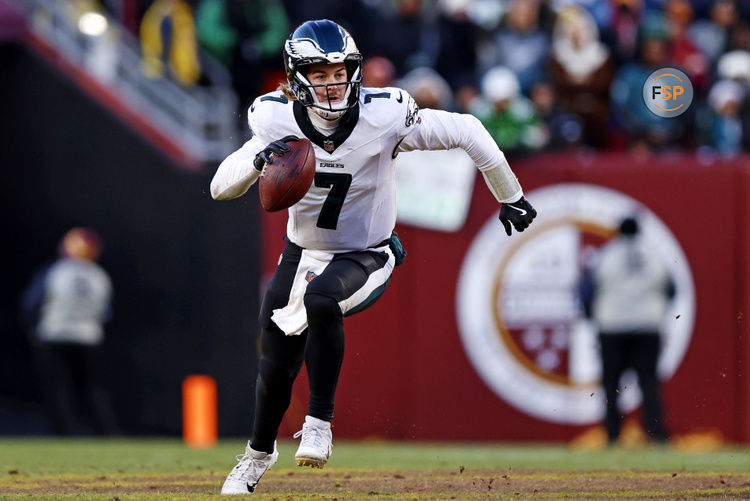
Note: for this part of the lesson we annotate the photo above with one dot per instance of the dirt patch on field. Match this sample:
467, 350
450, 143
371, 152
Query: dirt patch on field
462, 483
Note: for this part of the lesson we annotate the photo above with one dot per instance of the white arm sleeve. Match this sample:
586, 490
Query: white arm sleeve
237, 173
441, 130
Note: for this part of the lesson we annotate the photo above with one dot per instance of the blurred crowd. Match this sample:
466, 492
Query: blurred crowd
540, 74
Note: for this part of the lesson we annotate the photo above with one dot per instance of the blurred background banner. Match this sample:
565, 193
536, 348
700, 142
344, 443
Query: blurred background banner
434, 188
116, 114
518, 305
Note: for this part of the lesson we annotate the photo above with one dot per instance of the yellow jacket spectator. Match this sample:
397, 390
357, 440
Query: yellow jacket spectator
168, 38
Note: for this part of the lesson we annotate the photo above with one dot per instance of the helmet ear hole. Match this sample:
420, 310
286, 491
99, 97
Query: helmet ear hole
351, 69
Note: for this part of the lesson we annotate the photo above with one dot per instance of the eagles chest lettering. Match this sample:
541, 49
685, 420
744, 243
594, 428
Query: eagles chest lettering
357, 160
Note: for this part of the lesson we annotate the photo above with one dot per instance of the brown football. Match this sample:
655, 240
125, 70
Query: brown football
286, 180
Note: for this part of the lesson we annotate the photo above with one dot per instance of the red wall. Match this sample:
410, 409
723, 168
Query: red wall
743, 306
406, 375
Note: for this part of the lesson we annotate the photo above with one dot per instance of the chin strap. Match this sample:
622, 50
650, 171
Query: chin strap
325, 125
327, 114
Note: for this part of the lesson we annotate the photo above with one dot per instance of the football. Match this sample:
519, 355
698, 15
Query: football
286, 180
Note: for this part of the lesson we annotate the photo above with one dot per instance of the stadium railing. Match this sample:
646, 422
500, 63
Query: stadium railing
196, 124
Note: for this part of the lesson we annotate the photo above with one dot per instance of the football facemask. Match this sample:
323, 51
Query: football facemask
326, 42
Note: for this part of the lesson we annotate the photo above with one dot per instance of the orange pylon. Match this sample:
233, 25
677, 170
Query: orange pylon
199, 413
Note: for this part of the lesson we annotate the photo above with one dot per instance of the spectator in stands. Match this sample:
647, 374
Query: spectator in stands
378, 71
735, 65
64, 308
245, 35
712, 35
428, 89
510, 117
562, 130
640, 129
622, 33
582, 70
405, 32
683, 53
458, 37
467, 98
739, 36
168, 42
626, 292
520, 44
462, 23
721, 124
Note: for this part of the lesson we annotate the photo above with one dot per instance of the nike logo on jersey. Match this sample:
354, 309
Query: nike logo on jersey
400, 98
523, 212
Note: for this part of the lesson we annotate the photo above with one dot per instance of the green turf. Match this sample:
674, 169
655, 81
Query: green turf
45, 469
44, 456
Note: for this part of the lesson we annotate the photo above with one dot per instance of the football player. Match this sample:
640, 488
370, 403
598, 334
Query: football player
341, 249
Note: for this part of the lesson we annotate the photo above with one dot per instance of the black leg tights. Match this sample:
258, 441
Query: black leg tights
324, 353
321, 346
280, 362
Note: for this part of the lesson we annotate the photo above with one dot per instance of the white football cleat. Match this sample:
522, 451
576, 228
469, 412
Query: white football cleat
251, 466
315, 447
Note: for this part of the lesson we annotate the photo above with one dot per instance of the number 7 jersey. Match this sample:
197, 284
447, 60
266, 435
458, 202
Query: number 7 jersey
352, 202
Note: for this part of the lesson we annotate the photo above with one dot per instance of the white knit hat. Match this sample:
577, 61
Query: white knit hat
723, 92
735, 65
499, 84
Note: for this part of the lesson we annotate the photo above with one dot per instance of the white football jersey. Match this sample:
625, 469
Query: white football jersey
352, 202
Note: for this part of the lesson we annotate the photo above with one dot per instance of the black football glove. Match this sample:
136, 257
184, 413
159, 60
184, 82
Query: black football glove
519, 213
279, 147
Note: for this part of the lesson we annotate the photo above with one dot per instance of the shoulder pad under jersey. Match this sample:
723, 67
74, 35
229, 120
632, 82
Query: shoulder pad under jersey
267, 110
389, 108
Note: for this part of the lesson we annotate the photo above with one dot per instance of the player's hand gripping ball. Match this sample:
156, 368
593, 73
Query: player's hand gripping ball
288, 167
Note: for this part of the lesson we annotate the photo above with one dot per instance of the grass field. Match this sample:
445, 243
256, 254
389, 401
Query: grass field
119, 470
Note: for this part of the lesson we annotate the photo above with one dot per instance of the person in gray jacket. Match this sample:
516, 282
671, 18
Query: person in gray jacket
65, 307
626, 292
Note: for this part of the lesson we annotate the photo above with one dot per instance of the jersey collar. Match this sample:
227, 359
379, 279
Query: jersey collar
329, 143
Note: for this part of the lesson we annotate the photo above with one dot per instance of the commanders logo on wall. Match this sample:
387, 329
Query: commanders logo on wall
518, 309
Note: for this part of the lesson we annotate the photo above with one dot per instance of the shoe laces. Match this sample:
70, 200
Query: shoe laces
245, 463
313, 436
